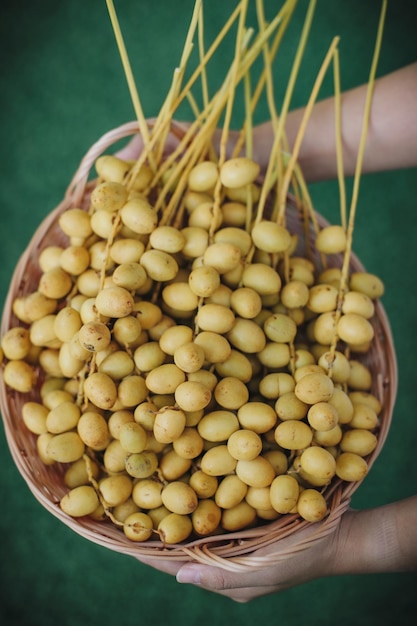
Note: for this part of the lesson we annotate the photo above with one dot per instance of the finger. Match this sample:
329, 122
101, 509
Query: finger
131, 150
240, 587
134, 147
219, 579
173, 567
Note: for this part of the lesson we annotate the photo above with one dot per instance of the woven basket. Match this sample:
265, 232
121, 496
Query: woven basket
233, 551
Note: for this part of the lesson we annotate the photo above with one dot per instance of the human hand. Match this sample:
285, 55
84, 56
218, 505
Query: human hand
132, 150
314, 561
376, 540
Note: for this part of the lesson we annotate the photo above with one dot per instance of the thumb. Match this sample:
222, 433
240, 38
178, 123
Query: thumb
134, 147
131, 150
220, 579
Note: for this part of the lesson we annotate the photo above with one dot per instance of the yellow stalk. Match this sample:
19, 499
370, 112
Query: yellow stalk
248, 116
129, 74
240, 44
358, 170
218, 102
191, 31
267, 73
249, 144
208, 55
284, 17
368, 104
204, 84
338, 136
303, 124
276, 148
247, 60
162, 123
193, 104
173, 101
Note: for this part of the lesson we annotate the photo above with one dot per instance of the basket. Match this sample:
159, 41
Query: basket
233, 551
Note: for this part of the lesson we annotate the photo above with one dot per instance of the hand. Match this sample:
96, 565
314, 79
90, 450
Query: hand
134, 147
312, 562
378, 540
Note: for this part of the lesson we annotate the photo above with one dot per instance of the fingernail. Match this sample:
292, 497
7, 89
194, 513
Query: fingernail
189, 574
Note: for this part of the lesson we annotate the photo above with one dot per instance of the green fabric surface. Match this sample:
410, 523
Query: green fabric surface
62, 87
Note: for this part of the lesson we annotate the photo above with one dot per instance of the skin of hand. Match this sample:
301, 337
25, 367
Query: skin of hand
246, 586
134, 147
382, 539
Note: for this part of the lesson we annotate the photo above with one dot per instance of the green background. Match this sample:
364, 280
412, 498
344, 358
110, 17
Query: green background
62, 87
